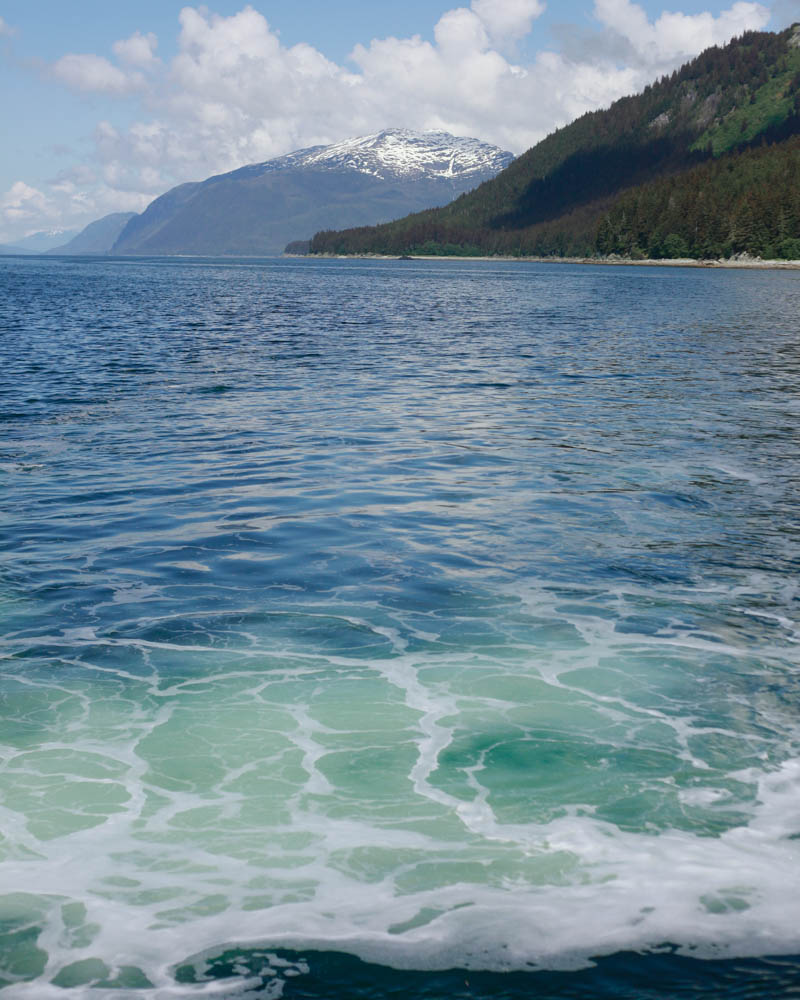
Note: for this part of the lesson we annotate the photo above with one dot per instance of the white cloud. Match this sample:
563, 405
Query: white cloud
676, 36
69, 181
138, 50
94, 74
234, 94
72, 199
460, 32
23, 208
6, 29
508, 20
22, 197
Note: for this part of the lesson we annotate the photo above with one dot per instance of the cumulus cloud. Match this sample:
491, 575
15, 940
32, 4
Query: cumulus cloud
508, 20
71, 180
460, 32
234, 94
72, 199
138, 50
21, 197
676, 36
94, 74
22, 208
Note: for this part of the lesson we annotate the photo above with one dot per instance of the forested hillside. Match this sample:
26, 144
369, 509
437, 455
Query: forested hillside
747, 202
701, 138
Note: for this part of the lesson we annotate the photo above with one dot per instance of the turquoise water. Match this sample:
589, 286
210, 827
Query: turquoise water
364, 621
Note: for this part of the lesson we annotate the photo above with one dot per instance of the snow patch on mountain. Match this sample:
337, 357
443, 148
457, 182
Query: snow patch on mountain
400, 153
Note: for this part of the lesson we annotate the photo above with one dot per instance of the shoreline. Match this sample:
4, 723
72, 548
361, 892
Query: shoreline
742, 263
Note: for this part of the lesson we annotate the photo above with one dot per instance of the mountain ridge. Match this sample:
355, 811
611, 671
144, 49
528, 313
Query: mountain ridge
552, 199
259, 208
39, 242
96, 238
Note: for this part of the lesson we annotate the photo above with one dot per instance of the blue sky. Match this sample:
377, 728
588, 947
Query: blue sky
108, 104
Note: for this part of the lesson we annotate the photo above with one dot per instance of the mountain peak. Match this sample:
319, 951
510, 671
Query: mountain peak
401, 153
361, 181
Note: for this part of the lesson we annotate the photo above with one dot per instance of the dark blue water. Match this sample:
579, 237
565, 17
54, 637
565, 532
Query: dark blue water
364, 621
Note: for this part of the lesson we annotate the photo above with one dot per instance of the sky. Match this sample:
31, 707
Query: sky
107, 105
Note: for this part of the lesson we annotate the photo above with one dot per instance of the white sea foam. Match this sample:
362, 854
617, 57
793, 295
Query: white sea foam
735, 895
156, 888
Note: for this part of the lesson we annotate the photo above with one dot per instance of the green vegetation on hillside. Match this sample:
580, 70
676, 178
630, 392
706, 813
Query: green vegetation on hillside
746, 202
563, 197
750, 112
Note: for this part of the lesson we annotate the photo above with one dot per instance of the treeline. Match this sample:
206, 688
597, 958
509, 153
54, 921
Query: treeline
571, 235
748, 202
552, 200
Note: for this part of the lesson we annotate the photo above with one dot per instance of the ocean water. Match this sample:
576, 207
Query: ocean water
421, 629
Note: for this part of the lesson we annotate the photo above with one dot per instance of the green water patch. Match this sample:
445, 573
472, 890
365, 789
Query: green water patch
93, 973
78, 931
481, 866
203, 740
604, 741
373, 782
23, 958
534, 777
362, 705
219, 755
31, 712
62, 791
21, 920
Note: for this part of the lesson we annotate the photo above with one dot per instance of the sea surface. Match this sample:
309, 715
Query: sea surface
398, 629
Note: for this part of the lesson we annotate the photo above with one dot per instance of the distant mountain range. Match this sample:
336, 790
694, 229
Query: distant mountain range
258, 209
98, 237
704, 163
39, 242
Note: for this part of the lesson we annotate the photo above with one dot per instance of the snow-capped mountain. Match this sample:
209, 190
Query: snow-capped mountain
45, 240
260, 208
396, 153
